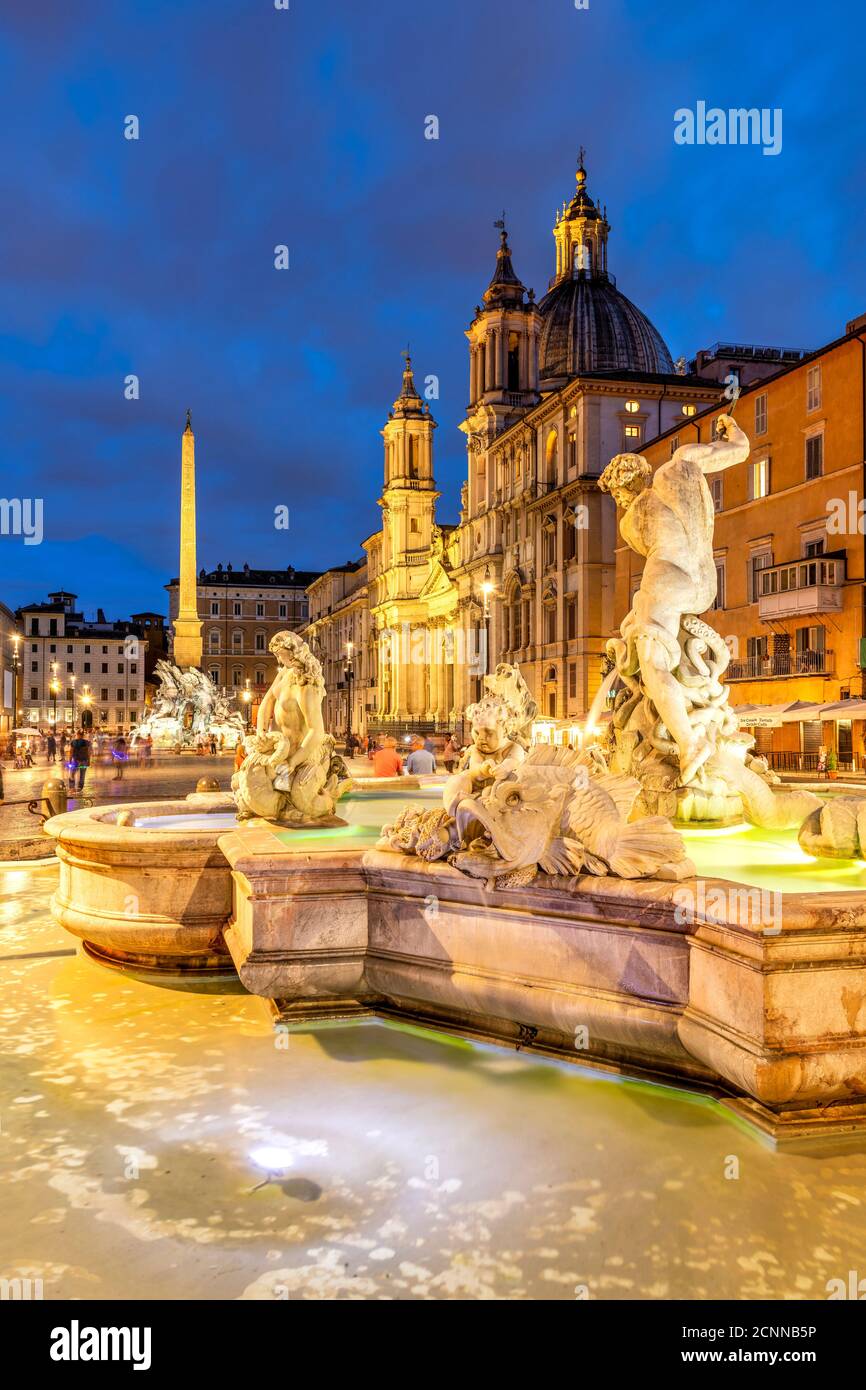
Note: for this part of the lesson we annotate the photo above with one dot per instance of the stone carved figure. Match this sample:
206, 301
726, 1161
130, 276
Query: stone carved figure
188, 707
672, 725
291, 774
836, 829
511, 811
501, 729
551, 811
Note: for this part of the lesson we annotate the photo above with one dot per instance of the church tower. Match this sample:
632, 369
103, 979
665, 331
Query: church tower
187, 624
503, 340
409, 495
503, 367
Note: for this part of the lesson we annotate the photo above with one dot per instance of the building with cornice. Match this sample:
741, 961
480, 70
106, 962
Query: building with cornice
556, 388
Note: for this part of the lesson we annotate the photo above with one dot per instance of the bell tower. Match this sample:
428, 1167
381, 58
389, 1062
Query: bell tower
503, 338
409, 496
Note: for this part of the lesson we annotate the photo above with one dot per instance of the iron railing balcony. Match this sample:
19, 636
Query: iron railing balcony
779, 664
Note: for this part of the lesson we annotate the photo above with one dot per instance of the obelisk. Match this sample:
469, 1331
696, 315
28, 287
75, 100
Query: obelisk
187, 624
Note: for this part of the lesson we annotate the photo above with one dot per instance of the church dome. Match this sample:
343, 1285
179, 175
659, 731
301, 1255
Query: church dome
589, 326
586, 324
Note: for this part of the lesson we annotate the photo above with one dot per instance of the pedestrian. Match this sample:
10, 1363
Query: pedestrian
822, 761
430, 746
420, 762
450, 753
386, 760
51, 748
120, 755
213, 745
240, 755
79, 761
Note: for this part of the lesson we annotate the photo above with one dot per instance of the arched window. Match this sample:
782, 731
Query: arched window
213, 640
260, 676
515, 616
412, 454
552, 458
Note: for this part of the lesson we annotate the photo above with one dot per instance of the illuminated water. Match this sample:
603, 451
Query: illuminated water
366, 812
770, 860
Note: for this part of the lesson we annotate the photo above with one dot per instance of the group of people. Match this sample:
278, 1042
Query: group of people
421, 760
76, 751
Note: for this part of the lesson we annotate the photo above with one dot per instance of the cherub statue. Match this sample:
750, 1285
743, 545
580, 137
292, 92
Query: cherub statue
501, 725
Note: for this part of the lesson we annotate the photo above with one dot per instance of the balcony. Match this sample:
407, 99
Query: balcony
781, 664
801, 588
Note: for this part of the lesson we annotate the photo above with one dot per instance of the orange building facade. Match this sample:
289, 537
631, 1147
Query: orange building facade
790, 548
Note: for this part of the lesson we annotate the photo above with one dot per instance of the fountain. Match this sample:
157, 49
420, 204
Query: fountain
660, 906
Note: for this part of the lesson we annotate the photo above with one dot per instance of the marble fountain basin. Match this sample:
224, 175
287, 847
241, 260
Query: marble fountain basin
747, 983
145, 884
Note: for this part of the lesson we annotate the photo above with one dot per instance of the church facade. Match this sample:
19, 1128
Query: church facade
556, 388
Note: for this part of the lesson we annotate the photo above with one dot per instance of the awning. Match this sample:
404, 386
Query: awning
774, 716
842, 709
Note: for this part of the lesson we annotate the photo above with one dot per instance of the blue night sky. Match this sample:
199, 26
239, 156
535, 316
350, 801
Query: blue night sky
306, 127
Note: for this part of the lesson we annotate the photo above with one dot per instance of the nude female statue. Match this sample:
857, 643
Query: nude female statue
290, 773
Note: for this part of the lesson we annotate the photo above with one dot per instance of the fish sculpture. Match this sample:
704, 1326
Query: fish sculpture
554, 812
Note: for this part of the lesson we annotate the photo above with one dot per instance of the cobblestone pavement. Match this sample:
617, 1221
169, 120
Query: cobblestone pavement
169, 775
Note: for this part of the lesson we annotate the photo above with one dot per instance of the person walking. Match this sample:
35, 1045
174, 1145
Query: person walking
51, 748
120, 755
79, 761
420, 762
213, 745
450, 754
386, 760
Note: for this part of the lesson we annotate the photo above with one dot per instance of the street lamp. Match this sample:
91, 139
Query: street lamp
55, 689
247, 696
72, 683
16, 666
86, 700
349, 672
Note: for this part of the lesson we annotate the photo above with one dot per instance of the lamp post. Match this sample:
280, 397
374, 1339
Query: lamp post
86, 700
247, 696
16, 667
486, 590
349, 673
54, 688
72, 683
